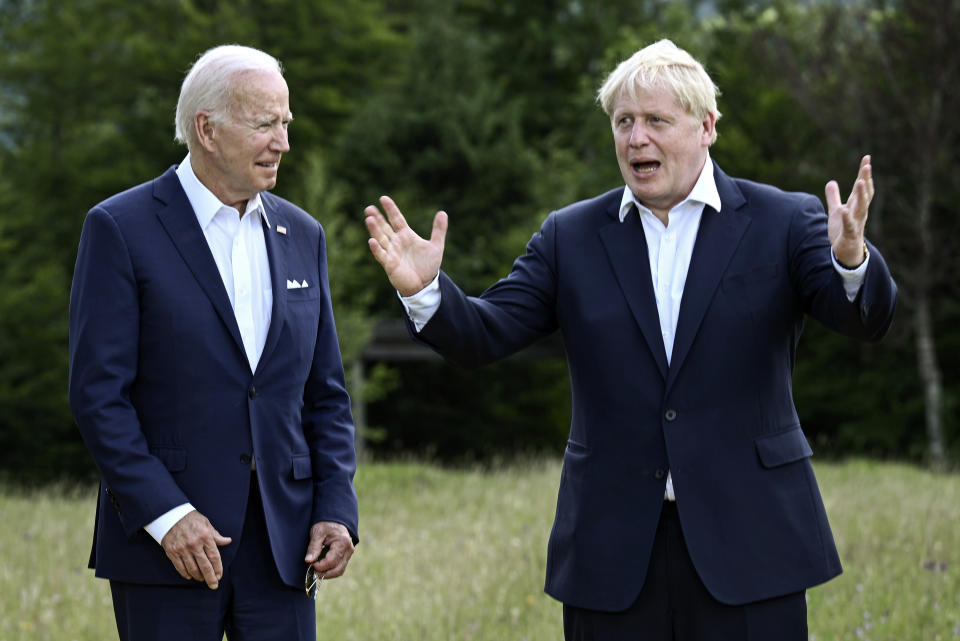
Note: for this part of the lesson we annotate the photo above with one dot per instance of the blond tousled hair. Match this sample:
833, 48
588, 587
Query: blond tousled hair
663, 65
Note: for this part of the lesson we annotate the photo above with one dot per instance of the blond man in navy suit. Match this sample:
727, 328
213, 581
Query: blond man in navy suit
687, 509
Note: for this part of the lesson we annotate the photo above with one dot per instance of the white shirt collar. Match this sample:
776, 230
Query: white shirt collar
704, 191
205, 204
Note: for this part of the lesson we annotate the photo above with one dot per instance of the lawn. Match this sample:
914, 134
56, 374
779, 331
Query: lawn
451, 555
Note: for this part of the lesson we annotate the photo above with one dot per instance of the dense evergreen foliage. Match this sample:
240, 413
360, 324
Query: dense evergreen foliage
485, 108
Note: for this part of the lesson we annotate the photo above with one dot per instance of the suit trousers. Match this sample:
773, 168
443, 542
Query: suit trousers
251, 603
674, 604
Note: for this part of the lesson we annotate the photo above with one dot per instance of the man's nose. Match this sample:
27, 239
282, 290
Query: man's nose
638, 134
281, 141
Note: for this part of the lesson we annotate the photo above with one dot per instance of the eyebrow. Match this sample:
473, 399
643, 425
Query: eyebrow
268, 117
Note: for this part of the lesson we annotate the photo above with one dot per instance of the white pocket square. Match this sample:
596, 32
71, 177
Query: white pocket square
292, 284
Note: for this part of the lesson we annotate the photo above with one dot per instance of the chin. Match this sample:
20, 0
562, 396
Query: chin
641, 192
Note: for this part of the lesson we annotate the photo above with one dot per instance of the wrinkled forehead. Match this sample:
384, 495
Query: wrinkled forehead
257, 93
688, 88
645, 94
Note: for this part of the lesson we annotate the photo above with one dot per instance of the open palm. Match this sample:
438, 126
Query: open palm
409, 261
846, 221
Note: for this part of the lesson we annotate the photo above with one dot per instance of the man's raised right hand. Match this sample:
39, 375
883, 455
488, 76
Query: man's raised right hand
410, 262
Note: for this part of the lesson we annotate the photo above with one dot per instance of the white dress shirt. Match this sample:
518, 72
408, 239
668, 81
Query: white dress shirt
669, 248
240, 252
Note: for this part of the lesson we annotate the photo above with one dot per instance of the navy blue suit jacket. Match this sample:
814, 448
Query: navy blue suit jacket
720, 417
162, 391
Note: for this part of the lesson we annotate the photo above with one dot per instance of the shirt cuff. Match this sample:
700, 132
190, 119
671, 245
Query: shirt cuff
424, 304
852, 278
159, 527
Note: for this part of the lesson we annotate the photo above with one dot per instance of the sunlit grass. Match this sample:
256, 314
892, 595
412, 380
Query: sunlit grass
46, 591
459, 555
898, 532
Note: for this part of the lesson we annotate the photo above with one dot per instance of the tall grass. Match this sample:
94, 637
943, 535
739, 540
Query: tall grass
452, 555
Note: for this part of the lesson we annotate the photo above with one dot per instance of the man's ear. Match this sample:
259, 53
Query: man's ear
708, 127
205, 130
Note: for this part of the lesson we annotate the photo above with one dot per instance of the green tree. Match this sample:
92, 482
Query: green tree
493, 118
444, 133
879, 80
883, 79
70, 135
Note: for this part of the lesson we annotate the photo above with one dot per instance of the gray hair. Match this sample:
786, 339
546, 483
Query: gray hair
663, 65
210, 87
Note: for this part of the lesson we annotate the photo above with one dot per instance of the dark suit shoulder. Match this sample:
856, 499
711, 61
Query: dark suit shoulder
139, 199
766, 197
579, 218
604, 203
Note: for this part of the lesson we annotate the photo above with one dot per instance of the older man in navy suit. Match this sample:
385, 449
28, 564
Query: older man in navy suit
687, 506
207, 382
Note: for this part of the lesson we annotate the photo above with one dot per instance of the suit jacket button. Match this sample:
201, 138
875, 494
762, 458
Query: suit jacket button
659, 474
245, 459
670, 415
252, 393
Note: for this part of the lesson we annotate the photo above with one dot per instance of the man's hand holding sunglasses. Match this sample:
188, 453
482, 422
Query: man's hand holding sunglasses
329, 550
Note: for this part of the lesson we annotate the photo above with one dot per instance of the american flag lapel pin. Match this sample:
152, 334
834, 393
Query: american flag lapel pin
281, 230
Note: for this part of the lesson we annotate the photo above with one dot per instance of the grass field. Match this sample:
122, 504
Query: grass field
452, 555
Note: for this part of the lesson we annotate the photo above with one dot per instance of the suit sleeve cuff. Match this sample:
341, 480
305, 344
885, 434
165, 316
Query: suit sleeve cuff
424, 304
852, 278
159, 527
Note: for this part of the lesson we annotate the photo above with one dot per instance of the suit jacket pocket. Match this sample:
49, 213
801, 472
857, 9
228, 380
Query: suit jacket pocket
304, 294
756, 276
174, 458
300, 466
785, 447
575, 447
755, 285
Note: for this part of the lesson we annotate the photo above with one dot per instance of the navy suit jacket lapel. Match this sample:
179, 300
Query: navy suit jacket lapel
178, 218
626, 247
717, 240
277, 256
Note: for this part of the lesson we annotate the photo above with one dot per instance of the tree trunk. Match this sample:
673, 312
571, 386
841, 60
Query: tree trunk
929, 368
931, 380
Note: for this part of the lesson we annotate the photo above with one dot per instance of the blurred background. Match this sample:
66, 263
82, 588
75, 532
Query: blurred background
486, 108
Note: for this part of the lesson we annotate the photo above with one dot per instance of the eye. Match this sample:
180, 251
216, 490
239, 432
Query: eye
624, 121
